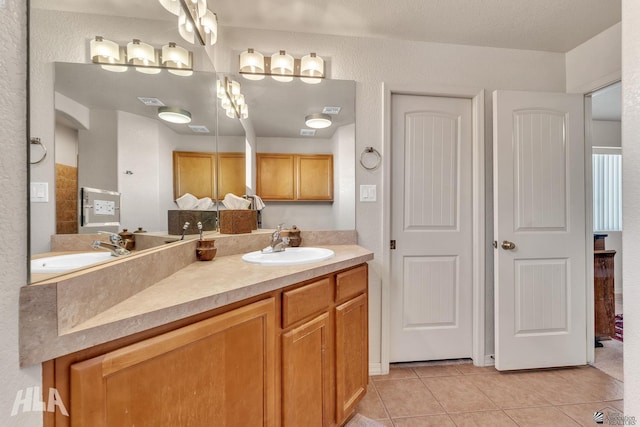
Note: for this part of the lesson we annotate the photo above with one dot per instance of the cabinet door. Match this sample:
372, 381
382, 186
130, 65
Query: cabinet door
275, 176
231, 174
217, 372
306, 370
352, 357
314, 177
194, 173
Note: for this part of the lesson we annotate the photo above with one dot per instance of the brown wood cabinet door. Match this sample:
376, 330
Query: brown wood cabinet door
306, 374
603, 290
314, 177
275, 176
194, 172
217, 372
231, 174
352, 357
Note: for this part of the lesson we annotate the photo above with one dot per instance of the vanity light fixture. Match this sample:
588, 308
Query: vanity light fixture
281, 66
231, 99
142, 56
318, 121
195, 21
174, 115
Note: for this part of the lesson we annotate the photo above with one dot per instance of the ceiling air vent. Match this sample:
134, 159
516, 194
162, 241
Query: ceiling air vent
199, 129
307, 132
151, 102
331, 110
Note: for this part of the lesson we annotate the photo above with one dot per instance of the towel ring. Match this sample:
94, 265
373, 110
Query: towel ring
370, 165
36, 141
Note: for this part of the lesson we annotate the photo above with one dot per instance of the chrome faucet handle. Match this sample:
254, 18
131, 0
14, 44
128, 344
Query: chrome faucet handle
114, 238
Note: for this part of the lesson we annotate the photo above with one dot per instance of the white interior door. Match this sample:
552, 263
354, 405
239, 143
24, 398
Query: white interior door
431, 268
539, 213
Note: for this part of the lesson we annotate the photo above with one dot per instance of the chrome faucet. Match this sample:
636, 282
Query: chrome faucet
278, 243
117, 245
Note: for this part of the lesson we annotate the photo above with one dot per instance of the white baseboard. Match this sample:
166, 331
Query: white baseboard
376, 369
489, 360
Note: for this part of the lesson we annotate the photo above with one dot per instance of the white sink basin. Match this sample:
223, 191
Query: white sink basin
62, 263
290, 256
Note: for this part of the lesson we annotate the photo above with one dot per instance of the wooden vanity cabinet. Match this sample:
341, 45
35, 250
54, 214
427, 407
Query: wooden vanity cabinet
293, 357
294, 177
207, 174
219, 371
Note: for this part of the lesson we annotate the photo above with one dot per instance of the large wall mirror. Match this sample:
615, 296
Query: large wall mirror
67, 92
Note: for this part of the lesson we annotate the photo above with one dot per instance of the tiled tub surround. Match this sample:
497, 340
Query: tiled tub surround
155, 287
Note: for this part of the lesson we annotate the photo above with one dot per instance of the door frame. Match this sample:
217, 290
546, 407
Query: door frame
478, 211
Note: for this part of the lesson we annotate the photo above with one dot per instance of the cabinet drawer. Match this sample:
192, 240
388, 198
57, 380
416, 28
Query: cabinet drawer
351, 283
300, 303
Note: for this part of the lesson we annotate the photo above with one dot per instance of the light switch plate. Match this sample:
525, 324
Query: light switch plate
40, 192
367, 193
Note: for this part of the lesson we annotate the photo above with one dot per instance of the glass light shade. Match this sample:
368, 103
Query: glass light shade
235, 88
172, 6
318, 121
225, 102
244, 111
311, 68
104, 48
240, 100
143, 52
282, 63
174, 115
200, 7
185, 27
210, 24
220, 92
145, 68
175, 56
252, 62
231, 113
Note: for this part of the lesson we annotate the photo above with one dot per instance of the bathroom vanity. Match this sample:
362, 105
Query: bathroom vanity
213, 343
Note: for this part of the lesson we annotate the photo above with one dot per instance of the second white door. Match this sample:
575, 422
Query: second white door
431, 267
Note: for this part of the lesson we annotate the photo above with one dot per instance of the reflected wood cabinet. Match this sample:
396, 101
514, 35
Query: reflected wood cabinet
294, 177
293, 357
196, 173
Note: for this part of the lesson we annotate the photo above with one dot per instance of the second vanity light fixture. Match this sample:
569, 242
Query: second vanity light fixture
144, 57
231, 99
195, 21
281, 66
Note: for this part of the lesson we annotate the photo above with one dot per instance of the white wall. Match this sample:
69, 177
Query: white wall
13, 220
66, 145
595, 63
631, 197
417, 65
344, 190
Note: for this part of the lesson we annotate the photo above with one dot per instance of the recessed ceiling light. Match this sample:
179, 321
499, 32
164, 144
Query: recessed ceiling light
318, 121
331, 110
151, 102
174, 115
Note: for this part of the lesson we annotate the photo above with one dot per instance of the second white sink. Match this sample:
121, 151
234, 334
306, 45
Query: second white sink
290, 256
62, 263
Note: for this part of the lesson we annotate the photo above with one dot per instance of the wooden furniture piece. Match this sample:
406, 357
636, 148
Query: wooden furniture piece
294, 177
603, 289
296, 356
206, 174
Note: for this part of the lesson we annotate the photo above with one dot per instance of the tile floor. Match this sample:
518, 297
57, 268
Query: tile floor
428, 394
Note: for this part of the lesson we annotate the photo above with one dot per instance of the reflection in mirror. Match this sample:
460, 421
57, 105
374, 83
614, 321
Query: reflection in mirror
93, 121
276, 124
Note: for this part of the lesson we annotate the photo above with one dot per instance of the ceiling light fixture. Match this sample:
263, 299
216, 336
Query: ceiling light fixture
195, 21
174, 115
142, 56
318, 121
282, 66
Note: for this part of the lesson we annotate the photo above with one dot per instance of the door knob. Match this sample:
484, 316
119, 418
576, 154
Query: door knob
507, 245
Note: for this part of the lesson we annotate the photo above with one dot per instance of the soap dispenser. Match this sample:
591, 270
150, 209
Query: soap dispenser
294, 237
128, 238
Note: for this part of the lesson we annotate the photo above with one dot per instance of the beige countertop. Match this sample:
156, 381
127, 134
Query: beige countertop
62, 317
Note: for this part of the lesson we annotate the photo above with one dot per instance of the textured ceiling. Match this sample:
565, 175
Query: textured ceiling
547, 25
